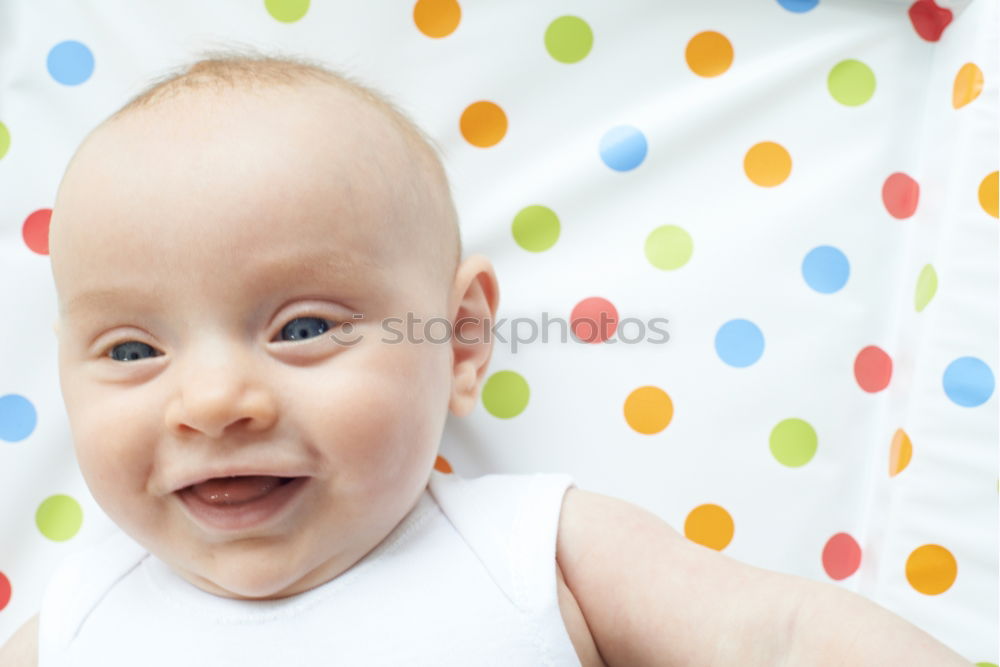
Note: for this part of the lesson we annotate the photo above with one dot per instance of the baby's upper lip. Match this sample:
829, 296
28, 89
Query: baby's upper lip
197, 478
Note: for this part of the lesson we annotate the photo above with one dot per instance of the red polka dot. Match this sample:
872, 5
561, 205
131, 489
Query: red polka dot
594, 320
873, 369
900, 194
841, 556
929, 20
35, 231
4, 590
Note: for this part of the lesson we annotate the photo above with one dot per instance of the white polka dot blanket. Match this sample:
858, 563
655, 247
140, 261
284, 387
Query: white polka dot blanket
747, 256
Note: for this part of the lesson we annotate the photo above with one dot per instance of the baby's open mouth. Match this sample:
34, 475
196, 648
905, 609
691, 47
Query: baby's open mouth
242, 502
236, 490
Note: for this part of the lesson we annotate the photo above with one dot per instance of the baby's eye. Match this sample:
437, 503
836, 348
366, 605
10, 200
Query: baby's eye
301, 327
129, 350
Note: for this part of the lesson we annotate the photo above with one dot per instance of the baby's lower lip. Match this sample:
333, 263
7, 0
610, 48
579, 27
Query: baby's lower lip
243, 516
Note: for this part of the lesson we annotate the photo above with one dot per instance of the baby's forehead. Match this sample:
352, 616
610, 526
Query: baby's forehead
314, 143
311, 117
303, 142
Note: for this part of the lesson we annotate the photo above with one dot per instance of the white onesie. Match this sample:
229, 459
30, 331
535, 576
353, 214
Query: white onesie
468, 577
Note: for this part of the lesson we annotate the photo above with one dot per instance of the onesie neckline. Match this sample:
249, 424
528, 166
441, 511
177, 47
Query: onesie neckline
179, 592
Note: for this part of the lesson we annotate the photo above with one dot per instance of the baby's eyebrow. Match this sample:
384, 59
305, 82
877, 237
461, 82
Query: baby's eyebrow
101, 299
302, 268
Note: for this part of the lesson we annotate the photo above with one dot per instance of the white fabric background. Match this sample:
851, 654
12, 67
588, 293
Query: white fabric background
749, 244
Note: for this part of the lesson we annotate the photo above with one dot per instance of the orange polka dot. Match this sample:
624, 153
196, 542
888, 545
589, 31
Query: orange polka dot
648, 410
437, 18
767, 164
710, 526
931, 569
709, 53
968, 85
483, 124
988, 194
442, 465
900, 452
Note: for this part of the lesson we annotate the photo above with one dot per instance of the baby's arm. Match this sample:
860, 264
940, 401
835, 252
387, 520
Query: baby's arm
650, 596
21, 650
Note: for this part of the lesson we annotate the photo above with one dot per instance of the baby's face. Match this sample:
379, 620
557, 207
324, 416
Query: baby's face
202, 262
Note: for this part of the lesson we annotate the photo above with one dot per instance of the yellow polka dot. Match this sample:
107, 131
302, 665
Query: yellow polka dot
709, 53
931, 569
437, 18
900, 452
710, 526
767, 164
968, 85
988, 194
483, 124
648, 410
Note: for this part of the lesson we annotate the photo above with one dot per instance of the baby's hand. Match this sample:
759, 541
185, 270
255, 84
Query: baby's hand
650, 596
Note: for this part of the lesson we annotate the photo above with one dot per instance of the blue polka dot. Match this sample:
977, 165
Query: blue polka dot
17, 417
826, 269
798, 6
623, 148
739, 343
70, 63
968, 381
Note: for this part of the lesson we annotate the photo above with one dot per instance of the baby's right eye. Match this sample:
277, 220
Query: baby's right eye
129, 350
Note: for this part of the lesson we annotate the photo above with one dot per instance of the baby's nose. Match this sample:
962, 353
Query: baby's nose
212, 398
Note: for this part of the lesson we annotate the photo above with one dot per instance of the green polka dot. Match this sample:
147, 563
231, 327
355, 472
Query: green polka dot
986, 664
926, 287
4, 140
59, 517
668, 247
287, 11
793, 442
568, 39
505, 394
851, 82
536, 228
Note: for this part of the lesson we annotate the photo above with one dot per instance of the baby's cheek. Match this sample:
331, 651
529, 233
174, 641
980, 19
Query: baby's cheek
372, 432
113, 445
363, 422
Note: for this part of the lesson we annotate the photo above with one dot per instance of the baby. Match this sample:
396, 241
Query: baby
227, 249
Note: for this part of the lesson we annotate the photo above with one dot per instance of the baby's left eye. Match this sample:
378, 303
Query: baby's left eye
301, 327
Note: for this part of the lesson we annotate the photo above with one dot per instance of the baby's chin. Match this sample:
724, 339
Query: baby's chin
257, 582
242, 572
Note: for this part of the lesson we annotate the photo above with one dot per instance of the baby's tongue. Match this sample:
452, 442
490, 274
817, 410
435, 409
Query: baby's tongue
228, 490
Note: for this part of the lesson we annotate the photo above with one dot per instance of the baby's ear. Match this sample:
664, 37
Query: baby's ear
477, 294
